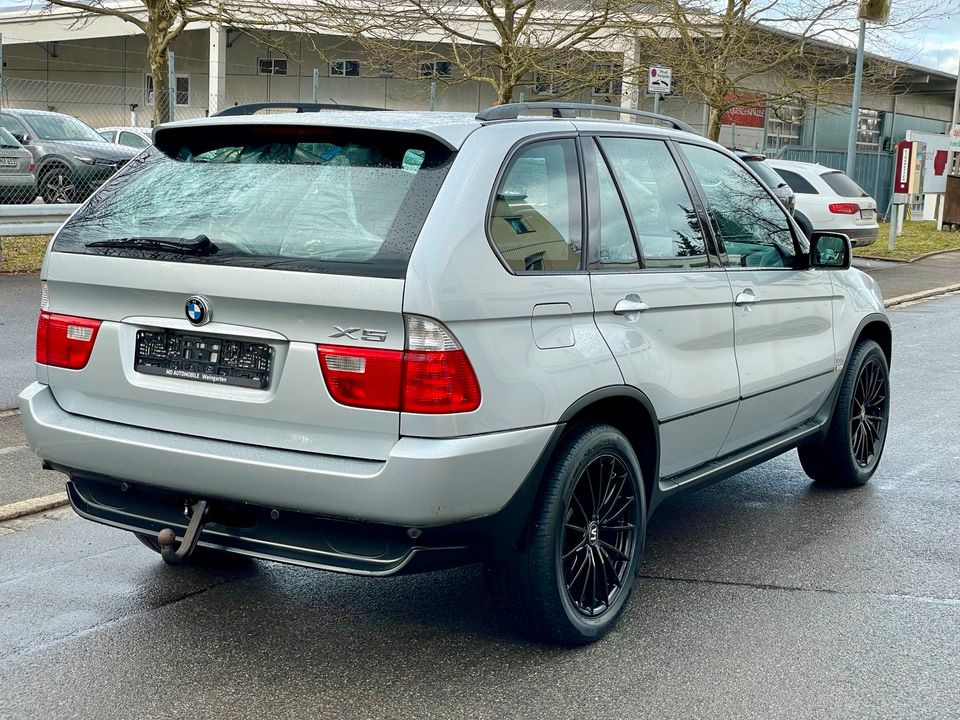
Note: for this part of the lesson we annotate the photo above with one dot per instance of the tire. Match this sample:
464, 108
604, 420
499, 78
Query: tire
200, 556
57, 186
850, 453
574, 574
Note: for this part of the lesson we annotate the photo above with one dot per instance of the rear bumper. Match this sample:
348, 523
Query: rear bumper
423, 483
861, 236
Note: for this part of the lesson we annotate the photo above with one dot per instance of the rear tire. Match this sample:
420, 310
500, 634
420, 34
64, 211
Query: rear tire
573, 576
849, 454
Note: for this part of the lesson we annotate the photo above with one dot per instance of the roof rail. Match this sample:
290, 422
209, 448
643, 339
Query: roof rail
253, 108
511, 111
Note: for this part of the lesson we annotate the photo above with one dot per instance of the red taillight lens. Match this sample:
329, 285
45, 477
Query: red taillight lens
362, 378
433, 375
65, 341
439, 382
32, 166
844, 208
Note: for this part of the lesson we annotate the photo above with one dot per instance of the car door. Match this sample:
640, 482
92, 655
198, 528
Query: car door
662, 304
783, 309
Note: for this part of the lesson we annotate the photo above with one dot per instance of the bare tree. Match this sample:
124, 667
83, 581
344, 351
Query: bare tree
787, 51
500, 43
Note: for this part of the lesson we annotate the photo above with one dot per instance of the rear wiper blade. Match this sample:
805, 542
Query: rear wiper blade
199, 245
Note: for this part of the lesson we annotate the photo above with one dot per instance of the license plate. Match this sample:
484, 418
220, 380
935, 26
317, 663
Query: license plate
868, 214
8, 162
218, 360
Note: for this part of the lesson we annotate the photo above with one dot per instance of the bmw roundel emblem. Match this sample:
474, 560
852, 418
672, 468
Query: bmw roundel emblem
198, 310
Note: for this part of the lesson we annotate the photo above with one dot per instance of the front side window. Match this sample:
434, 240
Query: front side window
667, 224
334, 200
536, 217
752, 229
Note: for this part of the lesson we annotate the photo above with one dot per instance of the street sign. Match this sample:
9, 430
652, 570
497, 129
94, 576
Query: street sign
659, 80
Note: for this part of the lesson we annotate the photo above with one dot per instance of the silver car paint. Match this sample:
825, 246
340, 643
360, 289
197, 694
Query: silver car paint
535, 342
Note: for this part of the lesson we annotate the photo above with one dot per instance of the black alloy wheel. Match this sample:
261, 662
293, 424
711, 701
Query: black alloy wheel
597, 540
849, 453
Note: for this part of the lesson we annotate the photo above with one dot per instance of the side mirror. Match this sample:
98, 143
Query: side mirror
830, 250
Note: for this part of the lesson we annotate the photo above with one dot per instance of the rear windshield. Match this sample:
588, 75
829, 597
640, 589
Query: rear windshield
842, 185
766, 173
335, 200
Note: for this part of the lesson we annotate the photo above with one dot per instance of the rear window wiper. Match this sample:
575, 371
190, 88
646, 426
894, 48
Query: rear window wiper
199, 245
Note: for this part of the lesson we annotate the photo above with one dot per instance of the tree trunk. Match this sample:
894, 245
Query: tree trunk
714, 123
159, 69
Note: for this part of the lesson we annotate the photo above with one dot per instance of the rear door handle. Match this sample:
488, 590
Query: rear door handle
630, 305
747, 297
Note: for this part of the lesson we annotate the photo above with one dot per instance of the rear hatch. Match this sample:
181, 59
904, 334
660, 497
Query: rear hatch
852, 201
214, 265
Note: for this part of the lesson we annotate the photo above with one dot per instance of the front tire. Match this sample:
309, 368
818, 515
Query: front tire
851, 451
57, 186
570, 581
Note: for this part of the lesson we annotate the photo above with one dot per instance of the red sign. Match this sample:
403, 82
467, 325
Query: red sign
748, 112
901, 175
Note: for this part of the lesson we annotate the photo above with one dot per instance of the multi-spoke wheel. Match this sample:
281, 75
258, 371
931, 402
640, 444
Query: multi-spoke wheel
851, 450
57, 186
597, 542
577, 567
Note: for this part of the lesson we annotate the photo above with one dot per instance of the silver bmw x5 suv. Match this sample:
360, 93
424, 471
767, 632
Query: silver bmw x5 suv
383, 342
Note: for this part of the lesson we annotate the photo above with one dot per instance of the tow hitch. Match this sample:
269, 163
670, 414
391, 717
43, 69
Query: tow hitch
168, 538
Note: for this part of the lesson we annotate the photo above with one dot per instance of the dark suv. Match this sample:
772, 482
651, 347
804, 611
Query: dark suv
72, 159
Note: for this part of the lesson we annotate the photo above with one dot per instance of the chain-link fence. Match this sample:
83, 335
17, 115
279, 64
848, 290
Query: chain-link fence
61, 140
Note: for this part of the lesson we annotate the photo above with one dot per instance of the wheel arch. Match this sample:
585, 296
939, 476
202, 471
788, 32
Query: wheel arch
876, 327
631, 412
51, 162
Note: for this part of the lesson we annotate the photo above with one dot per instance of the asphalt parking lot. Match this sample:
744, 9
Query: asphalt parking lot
761, 597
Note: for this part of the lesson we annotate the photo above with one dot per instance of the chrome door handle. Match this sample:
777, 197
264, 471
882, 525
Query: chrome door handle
630, 305
747, 297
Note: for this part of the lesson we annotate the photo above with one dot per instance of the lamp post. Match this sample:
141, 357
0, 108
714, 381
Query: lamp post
855, 105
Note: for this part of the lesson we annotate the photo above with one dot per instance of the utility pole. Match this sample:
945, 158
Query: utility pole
855, 105
951, 153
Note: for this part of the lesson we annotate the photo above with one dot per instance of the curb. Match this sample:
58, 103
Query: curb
35, 505
922, 295
911, 260
12, 412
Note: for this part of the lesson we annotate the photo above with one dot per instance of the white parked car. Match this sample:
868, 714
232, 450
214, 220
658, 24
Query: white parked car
135, 137
830, 200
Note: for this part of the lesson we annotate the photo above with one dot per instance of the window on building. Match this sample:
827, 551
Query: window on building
345, 68
609, 79
272, 66
182, 90
546, 83
435, 68
784, 127
869, 125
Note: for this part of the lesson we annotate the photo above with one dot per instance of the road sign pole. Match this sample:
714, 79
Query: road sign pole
656, 102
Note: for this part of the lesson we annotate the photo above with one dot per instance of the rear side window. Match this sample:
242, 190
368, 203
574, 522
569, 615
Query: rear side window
535, 221
335, 200
842, 185
797, 182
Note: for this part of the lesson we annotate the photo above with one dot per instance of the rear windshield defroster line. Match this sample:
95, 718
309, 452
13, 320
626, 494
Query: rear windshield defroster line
310, 199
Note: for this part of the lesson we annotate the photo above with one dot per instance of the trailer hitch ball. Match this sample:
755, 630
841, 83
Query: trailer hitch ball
173, 555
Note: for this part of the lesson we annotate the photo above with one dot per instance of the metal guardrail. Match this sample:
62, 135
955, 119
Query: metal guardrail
33, 219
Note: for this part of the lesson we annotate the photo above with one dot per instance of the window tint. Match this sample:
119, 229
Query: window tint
11, 124
53, 126
753, 230
335, 200
617, 249
842, 185
132, 140
667, 224
797, 183
766, 173
536, 212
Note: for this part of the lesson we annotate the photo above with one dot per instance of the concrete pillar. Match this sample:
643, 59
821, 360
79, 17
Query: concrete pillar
217, 68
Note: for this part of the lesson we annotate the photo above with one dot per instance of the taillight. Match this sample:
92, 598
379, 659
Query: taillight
32, 166
844, 208
432, 375
362, 377
65, 341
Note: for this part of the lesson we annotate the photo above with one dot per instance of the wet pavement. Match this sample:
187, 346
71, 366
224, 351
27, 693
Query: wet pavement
761, 597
